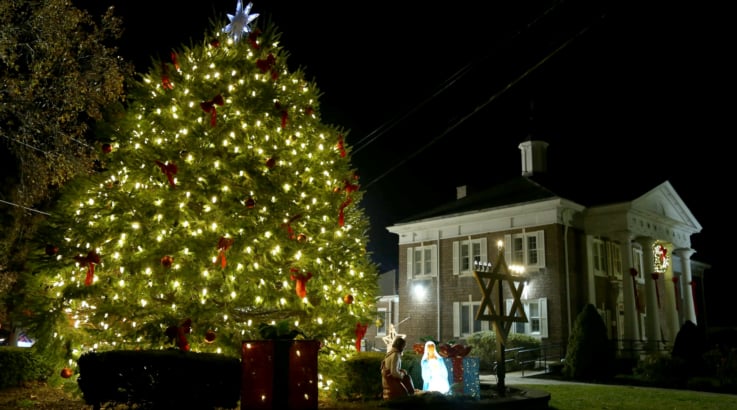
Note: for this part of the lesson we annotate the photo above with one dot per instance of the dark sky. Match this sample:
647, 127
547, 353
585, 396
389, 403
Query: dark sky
438, 95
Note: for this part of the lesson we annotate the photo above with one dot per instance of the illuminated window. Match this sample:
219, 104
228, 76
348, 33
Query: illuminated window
467, 253
526, 249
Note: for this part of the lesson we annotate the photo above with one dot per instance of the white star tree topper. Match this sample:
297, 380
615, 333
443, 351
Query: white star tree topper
239, 23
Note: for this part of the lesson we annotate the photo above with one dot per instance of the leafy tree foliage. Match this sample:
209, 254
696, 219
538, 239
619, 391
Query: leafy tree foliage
61, 76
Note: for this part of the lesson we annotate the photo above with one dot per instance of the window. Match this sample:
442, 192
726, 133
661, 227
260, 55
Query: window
465, 253
464, 319
526, 249
606, 258
382, 318
537, 317
616, 259
421, 261
599, 256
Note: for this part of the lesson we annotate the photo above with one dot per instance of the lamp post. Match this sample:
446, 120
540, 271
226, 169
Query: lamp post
490, 277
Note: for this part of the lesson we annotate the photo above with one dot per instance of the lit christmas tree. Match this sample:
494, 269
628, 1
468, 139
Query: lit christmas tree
224, 204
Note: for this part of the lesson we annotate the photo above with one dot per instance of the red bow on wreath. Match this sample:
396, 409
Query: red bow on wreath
170, 169
180, 334
90, 260
209, 107
223, 245
301, 288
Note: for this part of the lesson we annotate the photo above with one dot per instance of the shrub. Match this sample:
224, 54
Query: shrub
484, 347
589, 355
20, 365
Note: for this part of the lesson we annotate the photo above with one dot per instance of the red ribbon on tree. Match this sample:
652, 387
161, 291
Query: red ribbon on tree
349, 189
165, 81
209, 107
341, 146
341, 214
223, 245
170, 169
180, 334
288, 225
301, 288
175, 60
283, 112
675, 288
657, 292
360, 333
253, 36
633, 273
90, 260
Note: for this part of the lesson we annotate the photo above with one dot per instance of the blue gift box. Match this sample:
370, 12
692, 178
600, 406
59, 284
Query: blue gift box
470, 376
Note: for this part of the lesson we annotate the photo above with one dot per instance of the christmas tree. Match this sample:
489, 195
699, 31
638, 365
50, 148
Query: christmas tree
223, 204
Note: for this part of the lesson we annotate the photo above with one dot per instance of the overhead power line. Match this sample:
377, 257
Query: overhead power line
479, 107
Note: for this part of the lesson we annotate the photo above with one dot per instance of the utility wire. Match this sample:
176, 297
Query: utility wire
384, 128
478, 108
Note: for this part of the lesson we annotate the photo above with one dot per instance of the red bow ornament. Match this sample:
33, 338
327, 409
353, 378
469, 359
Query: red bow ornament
90, 260
301, 287
223, 245
180, 334
253, 36
267, 64
170, 169
209, 107
341, 146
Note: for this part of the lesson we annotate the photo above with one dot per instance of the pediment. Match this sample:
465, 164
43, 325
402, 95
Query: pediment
664, 202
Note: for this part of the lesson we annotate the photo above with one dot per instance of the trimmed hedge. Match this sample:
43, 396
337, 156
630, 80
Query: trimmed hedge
20, 365
160, 379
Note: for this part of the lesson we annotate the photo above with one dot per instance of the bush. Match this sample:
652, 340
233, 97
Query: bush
589, 356
20, 365
483, 346
361, 379
160, 379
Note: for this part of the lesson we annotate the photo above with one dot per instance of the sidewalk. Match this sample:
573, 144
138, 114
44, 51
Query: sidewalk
522, 377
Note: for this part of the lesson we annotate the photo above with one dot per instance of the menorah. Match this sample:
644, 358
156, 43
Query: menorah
492, 277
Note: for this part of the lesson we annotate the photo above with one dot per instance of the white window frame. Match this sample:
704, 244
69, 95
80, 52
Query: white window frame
616, 259
599, 258
427, 264
466, 252
526, 327
383, 314
524, 254
471, 307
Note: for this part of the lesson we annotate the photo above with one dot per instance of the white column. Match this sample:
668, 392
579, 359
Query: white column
672, 325
652, 321
631, 317
689, 309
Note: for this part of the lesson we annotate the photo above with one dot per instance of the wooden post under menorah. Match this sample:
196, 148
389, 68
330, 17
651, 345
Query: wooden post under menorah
494, 279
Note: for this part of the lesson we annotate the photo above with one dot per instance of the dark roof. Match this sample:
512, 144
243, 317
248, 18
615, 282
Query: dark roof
542, 186
513, 191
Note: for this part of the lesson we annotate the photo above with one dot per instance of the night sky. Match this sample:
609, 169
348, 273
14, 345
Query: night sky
438, 95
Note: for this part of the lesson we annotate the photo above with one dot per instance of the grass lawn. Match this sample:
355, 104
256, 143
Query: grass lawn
595, 396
